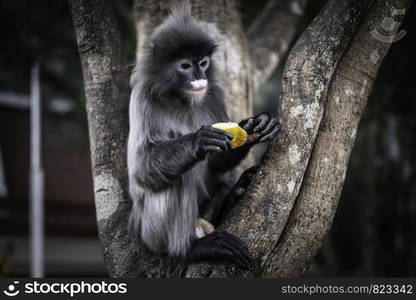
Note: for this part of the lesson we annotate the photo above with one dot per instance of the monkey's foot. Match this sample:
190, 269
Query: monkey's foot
220, 246
203, 227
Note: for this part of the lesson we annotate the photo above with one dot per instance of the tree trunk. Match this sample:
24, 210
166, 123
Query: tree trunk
316, 203
291, 202
277, 19
107, 94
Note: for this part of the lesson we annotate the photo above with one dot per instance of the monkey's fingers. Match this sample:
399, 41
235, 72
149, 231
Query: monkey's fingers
241, 254
233, 254
262, 120
219, 246
273, 132
213, 130
248, 125
268, 128
240, 250
225, 145
218, 135
212, 149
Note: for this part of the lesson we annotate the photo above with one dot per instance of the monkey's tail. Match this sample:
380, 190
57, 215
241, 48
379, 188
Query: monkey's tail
219, 246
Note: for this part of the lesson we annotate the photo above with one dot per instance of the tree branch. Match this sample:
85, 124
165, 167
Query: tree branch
271, 34
107, 95
317, 201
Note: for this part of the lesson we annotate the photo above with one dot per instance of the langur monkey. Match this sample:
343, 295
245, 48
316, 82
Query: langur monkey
177, 162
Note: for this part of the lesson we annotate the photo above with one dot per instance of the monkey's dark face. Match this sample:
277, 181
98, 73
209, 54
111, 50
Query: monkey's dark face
192, 74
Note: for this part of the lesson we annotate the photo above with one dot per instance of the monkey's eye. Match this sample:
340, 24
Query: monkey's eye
184, 65
204, 63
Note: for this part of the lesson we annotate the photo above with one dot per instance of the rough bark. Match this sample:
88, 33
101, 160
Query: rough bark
312, 216
107, 95
297, 186
376, 205
270, 36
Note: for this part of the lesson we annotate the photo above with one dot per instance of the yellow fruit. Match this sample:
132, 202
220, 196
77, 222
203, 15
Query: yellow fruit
239, 134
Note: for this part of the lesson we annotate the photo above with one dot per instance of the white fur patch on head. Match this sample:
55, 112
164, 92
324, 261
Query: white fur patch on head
199, 84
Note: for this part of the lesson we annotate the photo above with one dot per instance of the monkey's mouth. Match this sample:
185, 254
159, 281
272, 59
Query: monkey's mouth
196, 91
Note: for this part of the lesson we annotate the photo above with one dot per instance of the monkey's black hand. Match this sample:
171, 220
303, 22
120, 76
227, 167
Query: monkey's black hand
209, 139
261, 128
